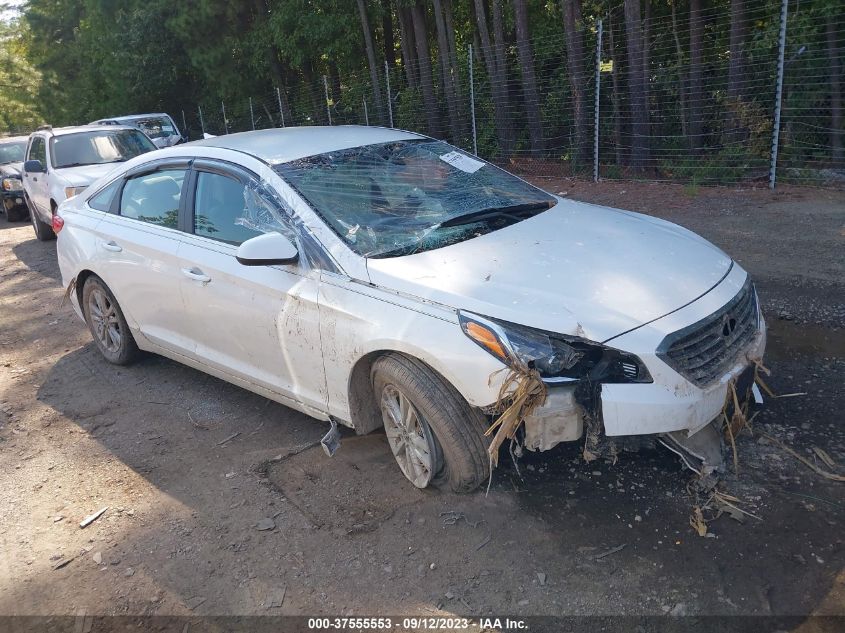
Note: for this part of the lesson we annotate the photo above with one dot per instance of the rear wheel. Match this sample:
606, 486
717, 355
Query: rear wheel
435, 436
107, 324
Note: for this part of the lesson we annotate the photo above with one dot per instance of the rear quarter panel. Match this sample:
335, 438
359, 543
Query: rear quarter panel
76, 246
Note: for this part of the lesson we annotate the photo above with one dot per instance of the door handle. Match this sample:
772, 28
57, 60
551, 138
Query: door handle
196, 274
112, 246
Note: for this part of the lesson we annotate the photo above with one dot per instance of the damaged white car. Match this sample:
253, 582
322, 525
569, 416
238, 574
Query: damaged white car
377, 278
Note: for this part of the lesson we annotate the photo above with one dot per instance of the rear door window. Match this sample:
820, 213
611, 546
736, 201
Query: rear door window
154, 198
103, 200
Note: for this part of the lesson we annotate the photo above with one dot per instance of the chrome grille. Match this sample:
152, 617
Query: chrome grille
704, 351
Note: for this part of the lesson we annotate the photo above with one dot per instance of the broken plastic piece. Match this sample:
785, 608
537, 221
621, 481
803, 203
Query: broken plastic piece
758, 397
331, 440
701, 452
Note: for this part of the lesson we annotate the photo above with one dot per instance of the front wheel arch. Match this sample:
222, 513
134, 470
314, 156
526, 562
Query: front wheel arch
457, 429
363, 407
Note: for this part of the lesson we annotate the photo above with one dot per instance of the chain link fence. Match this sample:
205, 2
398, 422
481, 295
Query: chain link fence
681, 107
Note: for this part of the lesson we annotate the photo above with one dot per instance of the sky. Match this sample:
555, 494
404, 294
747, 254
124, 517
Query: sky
10, 8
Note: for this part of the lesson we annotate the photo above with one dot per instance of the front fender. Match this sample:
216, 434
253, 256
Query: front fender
359, 321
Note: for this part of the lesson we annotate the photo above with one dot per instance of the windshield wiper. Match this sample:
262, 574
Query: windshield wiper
513, 210
74, 165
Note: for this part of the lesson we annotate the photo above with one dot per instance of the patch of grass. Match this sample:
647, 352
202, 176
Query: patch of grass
691, 188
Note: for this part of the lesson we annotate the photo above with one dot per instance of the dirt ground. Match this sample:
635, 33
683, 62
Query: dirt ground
187, 501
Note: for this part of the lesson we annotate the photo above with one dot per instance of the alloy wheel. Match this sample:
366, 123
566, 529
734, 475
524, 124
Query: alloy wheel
409, 436
105, 320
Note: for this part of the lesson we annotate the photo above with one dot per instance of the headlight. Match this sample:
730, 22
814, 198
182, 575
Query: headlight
12, 184
70, 192
555, 356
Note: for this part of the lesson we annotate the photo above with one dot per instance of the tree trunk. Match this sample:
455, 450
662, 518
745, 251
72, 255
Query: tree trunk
577, 78
530, 94
315, 93
387, 38
833, 70
453, 51
647, 53
497, 79
406, 41
738, 38
499, 40
617, 91
736, 73
276, 70
682, 84
424, 61
334, 83
371, 58
445, 67
636, 85
696, 94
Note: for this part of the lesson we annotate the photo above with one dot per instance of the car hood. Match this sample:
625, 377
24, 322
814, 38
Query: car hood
576, 269
11, 169
85, 174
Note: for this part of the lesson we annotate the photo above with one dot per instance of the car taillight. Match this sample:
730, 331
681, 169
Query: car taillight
58, 223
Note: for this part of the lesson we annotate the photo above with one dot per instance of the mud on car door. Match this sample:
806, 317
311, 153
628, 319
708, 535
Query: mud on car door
260, 323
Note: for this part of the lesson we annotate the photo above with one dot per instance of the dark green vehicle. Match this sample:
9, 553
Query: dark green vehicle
11, 190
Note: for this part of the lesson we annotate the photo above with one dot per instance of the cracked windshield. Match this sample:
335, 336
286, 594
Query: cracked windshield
405, 197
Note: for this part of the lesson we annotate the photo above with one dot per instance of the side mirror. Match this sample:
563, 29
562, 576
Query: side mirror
33, 167
270, 249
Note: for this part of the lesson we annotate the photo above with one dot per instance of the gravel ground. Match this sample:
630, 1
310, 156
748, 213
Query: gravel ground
265, 524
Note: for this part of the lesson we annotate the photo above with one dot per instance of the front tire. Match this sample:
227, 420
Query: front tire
43, 231
107, 324
435, 436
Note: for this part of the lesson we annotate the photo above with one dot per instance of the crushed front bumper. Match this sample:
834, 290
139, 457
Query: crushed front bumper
672, 402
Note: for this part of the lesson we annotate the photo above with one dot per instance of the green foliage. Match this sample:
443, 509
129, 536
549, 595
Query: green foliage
77, 60
19, 82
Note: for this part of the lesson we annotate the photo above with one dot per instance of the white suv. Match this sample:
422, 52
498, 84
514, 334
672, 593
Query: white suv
62, 162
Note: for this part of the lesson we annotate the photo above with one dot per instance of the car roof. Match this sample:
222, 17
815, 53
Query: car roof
13, 139
62, 131
282, 145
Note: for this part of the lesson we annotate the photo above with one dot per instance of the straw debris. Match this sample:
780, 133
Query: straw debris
520, 394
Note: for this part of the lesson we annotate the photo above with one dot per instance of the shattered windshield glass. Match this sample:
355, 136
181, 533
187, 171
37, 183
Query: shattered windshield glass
12, 152
411, 196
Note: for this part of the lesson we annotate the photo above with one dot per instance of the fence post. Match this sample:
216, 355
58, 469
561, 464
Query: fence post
778, 94
326, 91
251, 114
281, 110
598, 95
366, 114
389, 95
472, 104
225, 122
202, 121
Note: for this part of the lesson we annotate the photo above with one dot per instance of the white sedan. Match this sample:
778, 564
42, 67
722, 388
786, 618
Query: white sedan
378, 278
